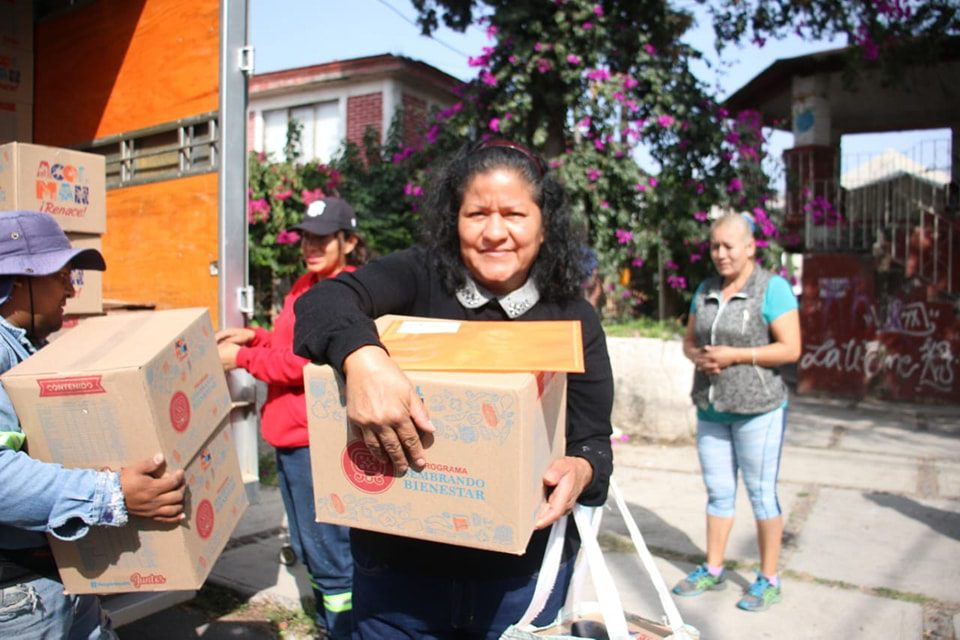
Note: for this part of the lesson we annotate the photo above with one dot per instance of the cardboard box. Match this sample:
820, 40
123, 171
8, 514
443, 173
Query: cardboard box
69, 185
16, 122
119, 388
149, 556
87, 283
497, 433
16, 74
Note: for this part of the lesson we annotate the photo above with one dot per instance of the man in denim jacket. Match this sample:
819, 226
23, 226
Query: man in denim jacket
39, 498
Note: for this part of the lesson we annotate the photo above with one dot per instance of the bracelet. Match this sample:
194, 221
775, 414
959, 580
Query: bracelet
753, 355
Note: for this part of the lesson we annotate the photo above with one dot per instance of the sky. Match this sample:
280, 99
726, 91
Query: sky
294, 33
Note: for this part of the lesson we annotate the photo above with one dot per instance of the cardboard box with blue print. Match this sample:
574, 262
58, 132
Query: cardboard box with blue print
69, 185
87, 284
118, 389
497, 433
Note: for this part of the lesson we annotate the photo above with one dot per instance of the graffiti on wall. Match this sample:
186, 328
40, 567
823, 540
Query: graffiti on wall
852, 345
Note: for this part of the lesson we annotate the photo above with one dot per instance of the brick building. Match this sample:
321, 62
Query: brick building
339, 100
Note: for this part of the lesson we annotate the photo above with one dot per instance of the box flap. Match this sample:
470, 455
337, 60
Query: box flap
108, 343
432, 344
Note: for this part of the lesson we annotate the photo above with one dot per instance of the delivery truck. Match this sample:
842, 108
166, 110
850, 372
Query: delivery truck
158, 88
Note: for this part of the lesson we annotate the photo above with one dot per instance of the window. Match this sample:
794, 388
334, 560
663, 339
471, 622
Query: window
320, 130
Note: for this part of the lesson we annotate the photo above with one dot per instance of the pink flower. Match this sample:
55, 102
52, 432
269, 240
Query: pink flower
587, 26
638, 262
665, 121
478, 61
650, 49
598, 74
599, 144
677, 282
413, 190
512, 59
670, 264
623, 236
640, 187
311, 196
700, 216
283, 195
695, 257
593, 174
492, 32
494, 124
735, 185
544, 65
573, 59
630, 83
604, 204
288, 237
433, 133
538, 47
258, 210
597, 10
488, 78
652, 182
733, 137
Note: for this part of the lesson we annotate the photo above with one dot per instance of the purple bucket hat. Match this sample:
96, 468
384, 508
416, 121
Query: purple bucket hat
32, 244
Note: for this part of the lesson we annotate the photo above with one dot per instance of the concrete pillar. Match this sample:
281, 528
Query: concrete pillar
810, 111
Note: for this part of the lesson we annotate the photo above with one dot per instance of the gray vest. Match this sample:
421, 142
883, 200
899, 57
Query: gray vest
740, 388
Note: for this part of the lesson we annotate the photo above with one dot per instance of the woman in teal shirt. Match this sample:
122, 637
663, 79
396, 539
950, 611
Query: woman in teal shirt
743, 326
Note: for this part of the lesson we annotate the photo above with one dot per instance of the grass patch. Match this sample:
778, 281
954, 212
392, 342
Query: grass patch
644, 328
215, 602
268, 469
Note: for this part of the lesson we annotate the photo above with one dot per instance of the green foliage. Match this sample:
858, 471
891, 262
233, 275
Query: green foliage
644, 327
891, 32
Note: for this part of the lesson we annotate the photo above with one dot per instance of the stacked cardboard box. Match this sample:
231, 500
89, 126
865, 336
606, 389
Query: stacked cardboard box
69, 185
16, 71
497, 433
115, 390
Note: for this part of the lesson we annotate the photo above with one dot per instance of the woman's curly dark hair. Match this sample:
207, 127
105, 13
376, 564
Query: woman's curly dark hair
557, 268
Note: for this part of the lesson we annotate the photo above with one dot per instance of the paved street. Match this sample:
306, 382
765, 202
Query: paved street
871, 494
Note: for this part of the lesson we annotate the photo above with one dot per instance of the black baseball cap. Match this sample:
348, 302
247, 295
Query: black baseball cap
328, 215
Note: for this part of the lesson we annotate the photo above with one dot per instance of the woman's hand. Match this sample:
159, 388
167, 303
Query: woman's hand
228, 355
714, 358
384, 405
239, 335
567, 477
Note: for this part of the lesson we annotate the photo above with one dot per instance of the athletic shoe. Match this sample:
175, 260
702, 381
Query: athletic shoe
700, 580
760, 595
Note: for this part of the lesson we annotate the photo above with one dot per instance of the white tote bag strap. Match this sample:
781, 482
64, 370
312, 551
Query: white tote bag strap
607, 595
549, 569
674, 621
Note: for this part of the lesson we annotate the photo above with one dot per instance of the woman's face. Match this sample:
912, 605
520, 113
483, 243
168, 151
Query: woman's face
325, 255
731, 249
500, 229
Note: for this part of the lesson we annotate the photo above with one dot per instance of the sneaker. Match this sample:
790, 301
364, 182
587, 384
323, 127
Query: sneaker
700, 580
760, 595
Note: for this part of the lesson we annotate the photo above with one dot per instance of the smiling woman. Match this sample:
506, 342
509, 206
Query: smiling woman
497, 245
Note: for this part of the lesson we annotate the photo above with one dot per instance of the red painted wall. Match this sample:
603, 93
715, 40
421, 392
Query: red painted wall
896, 346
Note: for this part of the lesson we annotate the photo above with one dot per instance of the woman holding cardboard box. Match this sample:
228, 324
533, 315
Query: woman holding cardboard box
498, 246
330, 245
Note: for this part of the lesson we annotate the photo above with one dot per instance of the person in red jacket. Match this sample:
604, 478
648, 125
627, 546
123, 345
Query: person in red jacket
329, 244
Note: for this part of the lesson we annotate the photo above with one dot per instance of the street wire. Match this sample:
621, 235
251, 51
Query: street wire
414, 24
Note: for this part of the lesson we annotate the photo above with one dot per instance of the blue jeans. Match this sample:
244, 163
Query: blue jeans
753, 446
38, 609
323, 548
392, 604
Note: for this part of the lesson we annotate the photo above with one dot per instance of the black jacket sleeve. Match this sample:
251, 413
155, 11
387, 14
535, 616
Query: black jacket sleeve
589, 404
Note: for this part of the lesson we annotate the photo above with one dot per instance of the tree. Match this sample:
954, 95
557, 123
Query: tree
891, 32
589, 83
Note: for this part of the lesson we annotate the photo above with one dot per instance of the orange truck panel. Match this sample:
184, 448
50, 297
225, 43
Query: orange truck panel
161, 238
122, 65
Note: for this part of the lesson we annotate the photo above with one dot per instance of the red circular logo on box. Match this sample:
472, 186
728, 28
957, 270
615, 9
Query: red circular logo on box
180, 411
364, 471
204, 519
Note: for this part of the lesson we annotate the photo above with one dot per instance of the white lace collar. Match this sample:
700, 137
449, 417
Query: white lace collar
516, 303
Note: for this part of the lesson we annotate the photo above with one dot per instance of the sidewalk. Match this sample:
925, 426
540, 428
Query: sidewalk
871, 497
